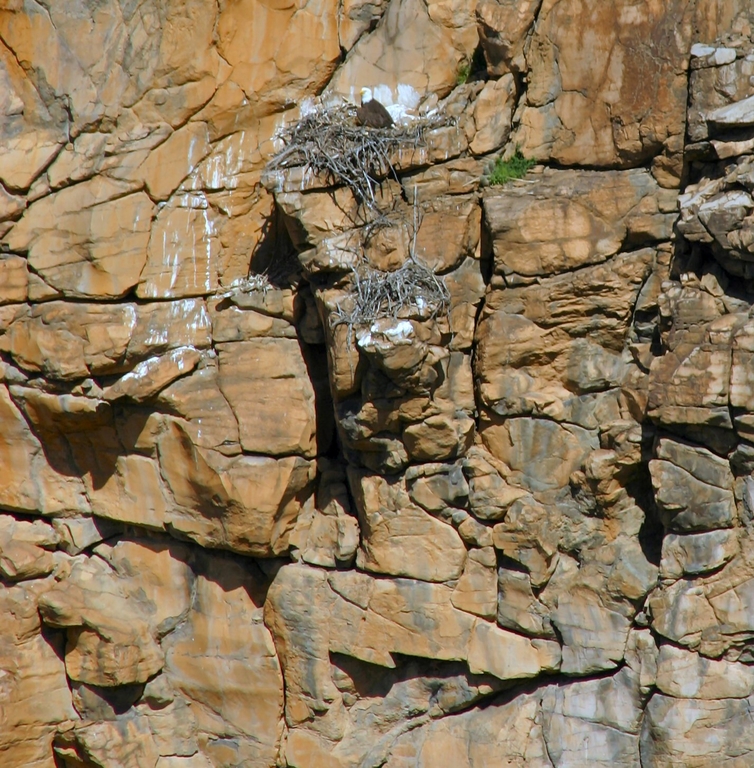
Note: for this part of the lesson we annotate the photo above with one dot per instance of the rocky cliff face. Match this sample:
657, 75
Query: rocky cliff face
508, 521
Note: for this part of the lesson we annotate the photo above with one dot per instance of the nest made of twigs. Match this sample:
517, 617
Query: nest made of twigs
412, 290
330, 143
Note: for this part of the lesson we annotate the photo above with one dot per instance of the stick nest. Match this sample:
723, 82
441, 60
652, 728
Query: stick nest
413, 290
330, 143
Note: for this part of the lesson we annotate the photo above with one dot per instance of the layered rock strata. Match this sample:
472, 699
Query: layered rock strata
508, 522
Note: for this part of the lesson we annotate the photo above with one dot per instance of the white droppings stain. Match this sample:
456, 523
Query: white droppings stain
402, 331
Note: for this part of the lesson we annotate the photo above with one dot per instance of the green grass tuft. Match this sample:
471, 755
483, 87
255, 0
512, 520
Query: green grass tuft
464, 70
506, 170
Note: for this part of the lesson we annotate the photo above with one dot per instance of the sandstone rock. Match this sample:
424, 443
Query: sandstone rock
517, 607
231, 678
426, 46
209, 418
328, 535
476, 591
503, 25
542, 454
102, 339
14, 279
126, 742
502, 731
151, 376
401, 539
492, 115
686, 675
508, 655
169, 163
248, 503
595, 721
25, 549
697, 553
621, 109
489, 494
693, 487
29, 483
262, 379
448, 232
88, 240
594, 634
35, 691
687, 732
435, 487
568, 219
110, 640
532, 352
438, 438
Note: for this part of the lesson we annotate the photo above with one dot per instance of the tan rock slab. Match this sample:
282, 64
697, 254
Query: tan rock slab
151, 376
697, 553
493, 111
183, 252
412, 47
566, 219
571, 109
684, 674
209, 418
688, 733
267, 385
14, 279
28, 482
507, 732
594, 634
88, 240
35, 695
541, 453
109, 638
476, 591
69, 340
508, 655
594, 722
399, 538
248, 504
231, 677
171, 162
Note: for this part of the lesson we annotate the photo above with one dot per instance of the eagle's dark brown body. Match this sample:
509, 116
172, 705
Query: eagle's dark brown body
373, 115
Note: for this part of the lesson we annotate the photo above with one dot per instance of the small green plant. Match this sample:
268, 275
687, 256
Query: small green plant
503, 171
464, 70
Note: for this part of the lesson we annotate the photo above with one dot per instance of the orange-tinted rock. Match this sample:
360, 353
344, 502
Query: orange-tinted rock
89, 240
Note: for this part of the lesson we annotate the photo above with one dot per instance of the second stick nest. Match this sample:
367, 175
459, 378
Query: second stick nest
330, 143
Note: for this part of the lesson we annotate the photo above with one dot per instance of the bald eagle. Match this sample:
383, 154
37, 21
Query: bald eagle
371, 113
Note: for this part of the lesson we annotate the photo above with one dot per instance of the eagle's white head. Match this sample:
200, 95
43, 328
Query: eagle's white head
366, 95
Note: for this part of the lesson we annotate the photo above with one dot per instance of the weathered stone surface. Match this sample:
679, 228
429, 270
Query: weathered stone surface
35, 694
623, 107
686, 675
413, 48
248, 503
399, 538
109, 638
262, 379
101, 339
693, 488
594, 634
170, 312
223, 660
697, 552
89, 240
541, 453
569, 219
685, 732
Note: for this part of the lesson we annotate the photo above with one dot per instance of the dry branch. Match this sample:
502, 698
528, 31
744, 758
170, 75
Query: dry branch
413, 290
330, 143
